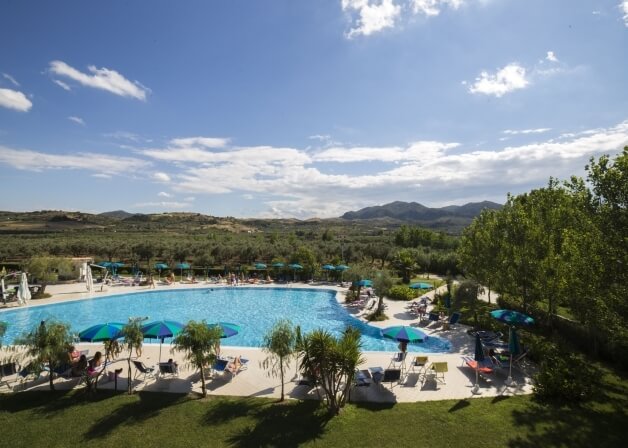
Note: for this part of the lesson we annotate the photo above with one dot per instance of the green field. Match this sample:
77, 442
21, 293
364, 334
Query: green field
62, 419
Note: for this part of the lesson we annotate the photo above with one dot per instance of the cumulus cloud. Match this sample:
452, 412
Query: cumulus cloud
511, 77
29, 160
163, 194
624, 8
77, 120
370, 16
14, 99
11, 79
161, 177
101, 78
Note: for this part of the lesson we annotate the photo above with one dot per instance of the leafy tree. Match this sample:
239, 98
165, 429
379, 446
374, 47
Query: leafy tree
200, 344
405, 263
467, 294
279, 343
332, 363
382, 284
133, 338
48, 345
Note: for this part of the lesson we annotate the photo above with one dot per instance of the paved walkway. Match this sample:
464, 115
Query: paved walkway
255, 381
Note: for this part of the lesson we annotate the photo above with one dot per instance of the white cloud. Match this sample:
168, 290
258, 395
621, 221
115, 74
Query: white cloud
77, 120
123, 135
321, 137
372, 16
511, 77
13, 99
101, 78
102, 175
189, 199
61, 84
624, 7
526, 131
433, 7
161, 177
427, 150
207, 142
551, 57
163, 194
247, 196
29, 160
11, 78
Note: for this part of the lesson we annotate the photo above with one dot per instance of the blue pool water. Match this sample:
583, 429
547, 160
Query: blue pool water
254, 309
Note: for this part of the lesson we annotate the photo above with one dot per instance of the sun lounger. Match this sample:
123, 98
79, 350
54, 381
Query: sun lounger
363, 378
168, 369
9, 375
485, 367
141, 369
392, 375
437, 370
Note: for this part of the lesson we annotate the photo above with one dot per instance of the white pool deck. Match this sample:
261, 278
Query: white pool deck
255, 381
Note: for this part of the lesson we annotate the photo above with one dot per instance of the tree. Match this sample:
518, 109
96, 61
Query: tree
279, 343
332, 362
48, 345
200, 344
133, 338
381, 284
405, 263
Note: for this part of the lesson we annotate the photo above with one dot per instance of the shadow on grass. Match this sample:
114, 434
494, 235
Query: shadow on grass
599, 422
278, 424
147, 406
49, 403
225, 409
459, 405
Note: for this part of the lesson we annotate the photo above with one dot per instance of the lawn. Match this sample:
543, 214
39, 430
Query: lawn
61, 419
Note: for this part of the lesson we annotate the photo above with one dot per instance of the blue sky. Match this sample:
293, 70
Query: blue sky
303, 108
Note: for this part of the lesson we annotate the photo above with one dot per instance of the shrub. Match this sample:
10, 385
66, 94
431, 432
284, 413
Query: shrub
564, 376
401, 292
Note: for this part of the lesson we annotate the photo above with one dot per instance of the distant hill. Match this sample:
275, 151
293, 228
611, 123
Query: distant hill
117, 214
452, 217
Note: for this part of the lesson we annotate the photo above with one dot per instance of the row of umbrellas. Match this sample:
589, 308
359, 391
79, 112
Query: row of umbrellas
154, 330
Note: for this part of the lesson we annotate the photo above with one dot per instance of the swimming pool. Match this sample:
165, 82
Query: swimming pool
254, 309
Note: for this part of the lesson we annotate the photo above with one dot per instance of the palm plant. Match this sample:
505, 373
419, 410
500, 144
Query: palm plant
48, 345
200, 343
133, 338
279, 343
332, 362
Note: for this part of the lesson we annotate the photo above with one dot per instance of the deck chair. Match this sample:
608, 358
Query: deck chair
9, 375
363, 378
392, 375
438, 370
419, 364
485, 367
141, 369
433, 317
454, 318
168, 368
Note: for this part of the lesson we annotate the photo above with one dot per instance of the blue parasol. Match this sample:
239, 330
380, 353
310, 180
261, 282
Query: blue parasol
511, 317
160, 330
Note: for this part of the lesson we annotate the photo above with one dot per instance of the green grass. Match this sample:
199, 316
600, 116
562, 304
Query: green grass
61, 419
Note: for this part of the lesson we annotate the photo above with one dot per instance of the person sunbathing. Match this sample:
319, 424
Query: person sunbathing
234, 366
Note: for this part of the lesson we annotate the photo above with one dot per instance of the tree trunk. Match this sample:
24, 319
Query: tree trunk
129, 384
281, 374
203, 383
52, 386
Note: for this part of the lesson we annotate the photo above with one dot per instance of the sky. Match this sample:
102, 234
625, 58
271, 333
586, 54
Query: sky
296, 108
